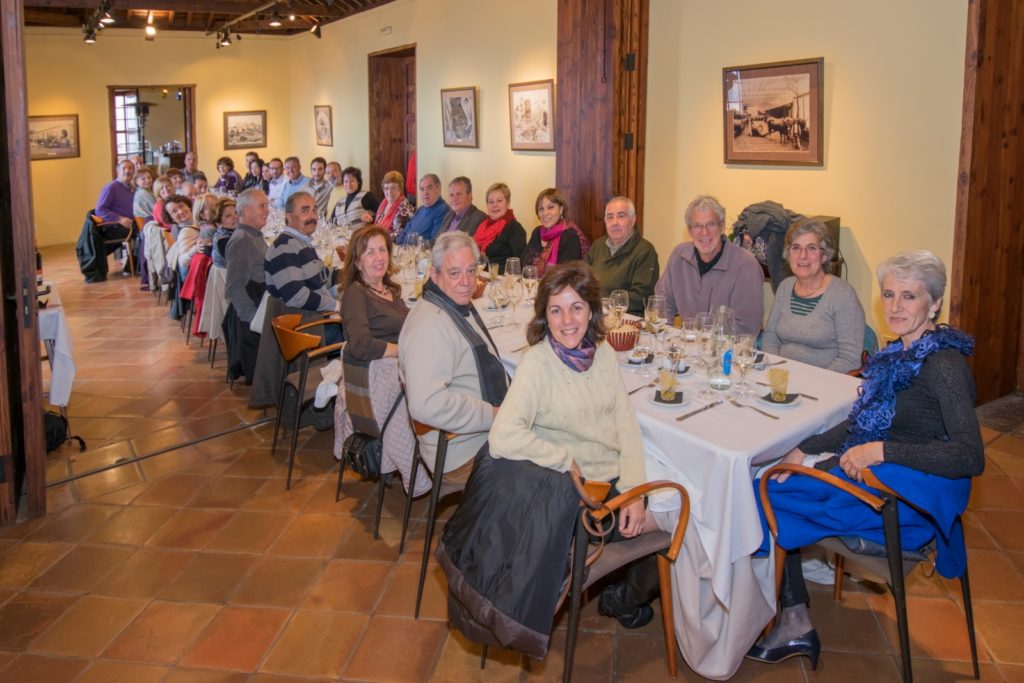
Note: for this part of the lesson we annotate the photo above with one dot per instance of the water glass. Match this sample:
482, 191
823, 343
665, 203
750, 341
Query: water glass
531, 278
513, 268
645, 348
656, 312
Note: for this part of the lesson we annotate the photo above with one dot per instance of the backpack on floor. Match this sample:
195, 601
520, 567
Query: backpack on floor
55, 431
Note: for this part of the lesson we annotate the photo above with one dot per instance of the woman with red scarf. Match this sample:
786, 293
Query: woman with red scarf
500, 235
395, 209
556, 239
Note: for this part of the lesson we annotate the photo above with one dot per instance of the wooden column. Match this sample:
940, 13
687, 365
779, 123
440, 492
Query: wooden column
600, 105
986, 275
21, 418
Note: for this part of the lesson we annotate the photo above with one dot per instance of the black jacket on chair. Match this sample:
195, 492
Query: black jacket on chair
91, 252
505, 552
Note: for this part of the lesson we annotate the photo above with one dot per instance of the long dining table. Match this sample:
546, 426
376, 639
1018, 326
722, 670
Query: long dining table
723, 597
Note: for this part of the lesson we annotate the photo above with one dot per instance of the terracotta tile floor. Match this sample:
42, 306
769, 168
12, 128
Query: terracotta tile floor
197, 565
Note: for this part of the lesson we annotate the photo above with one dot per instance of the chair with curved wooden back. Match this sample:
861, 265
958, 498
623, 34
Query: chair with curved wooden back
128, 242
296, 344
609, 557
439, 488
891, 569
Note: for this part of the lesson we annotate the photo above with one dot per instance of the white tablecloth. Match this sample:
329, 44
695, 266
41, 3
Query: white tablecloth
54, 332
723, 598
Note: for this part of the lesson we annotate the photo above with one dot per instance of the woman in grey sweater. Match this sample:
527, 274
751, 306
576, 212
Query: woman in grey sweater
816, 318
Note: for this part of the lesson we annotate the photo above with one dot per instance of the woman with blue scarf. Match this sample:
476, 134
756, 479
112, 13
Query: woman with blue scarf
913, 425
567, 409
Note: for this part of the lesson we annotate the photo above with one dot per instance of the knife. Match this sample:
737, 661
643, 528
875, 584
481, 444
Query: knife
813, 398
699, 410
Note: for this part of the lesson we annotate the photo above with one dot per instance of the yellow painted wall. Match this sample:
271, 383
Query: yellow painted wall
66, 76
459, 43
893, 93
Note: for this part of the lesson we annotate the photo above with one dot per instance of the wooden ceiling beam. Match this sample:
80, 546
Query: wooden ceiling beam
34, 16
232, 7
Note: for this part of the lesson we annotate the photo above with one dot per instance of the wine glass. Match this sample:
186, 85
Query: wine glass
656, 314
744, 354
514, 289
483, 266
513, 268
499, 299
644, 348
709, 359
619, 303
530, 281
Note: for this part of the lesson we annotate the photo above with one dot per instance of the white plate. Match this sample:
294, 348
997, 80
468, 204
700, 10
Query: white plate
624, 357
659, 404
768, 402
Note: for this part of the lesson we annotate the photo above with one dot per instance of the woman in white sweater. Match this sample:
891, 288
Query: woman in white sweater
567, 409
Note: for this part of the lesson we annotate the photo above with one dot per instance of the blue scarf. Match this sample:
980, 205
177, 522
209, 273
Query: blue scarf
890, 371
579, 359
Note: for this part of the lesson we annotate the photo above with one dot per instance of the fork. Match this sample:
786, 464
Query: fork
742, 405
645, 386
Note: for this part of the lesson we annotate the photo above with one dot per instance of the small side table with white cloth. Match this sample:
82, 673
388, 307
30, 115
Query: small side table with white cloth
56, 337
723, 596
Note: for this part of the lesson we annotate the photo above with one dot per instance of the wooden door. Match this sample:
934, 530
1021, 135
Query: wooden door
601, 106
22, 454
986, 280
392, 112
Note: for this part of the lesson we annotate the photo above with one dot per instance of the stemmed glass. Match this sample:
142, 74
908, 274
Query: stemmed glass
709, 358
645, 346
743, 355
513, 269
483, 265
530, 281
514, 289
656, 314
498, 297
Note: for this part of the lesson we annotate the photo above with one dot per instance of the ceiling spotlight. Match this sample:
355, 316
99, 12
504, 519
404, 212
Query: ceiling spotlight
291, 15
225, 39
275, 19
238, 36
150, 30
107, 19
178, 94
316, 31
90, 36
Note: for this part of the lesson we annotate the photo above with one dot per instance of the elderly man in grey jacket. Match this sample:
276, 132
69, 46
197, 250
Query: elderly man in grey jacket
245, 282
453, 377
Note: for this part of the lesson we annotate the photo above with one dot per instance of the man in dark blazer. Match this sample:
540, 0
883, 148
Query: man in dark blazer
463, 215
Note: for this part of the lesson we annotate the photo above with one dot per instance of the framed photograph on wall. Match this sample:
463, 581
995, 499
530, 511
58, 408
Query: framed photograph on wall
245, 129
323, 122
531, 115
53, 137
458, 117
774, 113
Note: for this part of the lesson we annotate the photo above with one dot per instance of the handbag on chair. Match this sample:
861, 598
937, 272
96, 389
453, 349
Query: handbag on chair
362, 452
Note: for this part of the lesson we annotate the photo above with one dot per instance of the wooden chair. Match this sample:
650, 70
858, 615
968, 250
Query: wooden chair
589, 568
295, 344
890, 569
168, 243
439, 489
127, 242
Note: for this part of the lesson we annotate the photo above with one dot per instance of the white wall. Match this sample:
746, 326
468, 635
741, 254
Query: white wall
458, 43
893, 93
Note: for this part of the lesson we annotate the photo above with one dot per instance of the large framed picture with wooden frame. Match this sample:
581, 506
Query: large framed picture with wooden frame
774, 113
53, 137
531, 115
245, 129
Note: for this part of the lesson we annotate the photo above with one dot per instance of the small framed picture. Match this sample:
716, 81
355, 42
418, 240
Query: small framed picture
323, 122
53, 137
774, 113
458, 117
531, 115
245, 129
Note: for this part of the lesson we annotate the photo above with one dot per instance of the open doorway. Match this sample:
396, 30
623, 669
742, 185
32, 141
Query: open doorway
392, 112
156, 122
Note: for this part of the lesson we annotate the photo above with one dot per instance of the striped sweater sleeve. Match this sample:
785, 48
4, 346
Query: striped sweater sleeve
297, 276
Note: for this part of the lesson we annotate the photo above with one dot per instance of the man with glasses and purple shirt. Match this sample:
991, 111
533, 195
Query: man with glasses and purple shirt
710, 271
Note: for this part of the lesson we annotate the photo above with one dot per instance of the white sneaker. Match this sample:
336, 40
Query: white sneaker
819, 571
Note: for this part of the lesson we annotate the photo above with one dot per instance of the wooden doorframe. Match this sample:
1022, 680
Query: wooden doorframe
382, 152
21, 398
986, 290
189, 103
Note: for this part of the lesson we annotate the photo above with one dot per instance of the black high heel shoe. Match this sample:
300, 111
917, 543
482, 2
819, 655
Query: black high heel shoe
807, 645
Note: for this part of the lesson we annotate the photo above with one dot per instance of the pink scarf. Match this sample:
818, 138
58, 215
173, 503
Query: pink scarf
551, 236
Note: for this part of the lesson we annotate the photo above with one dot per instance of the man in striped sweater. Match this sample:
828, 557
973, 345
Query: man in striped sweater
294, 272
